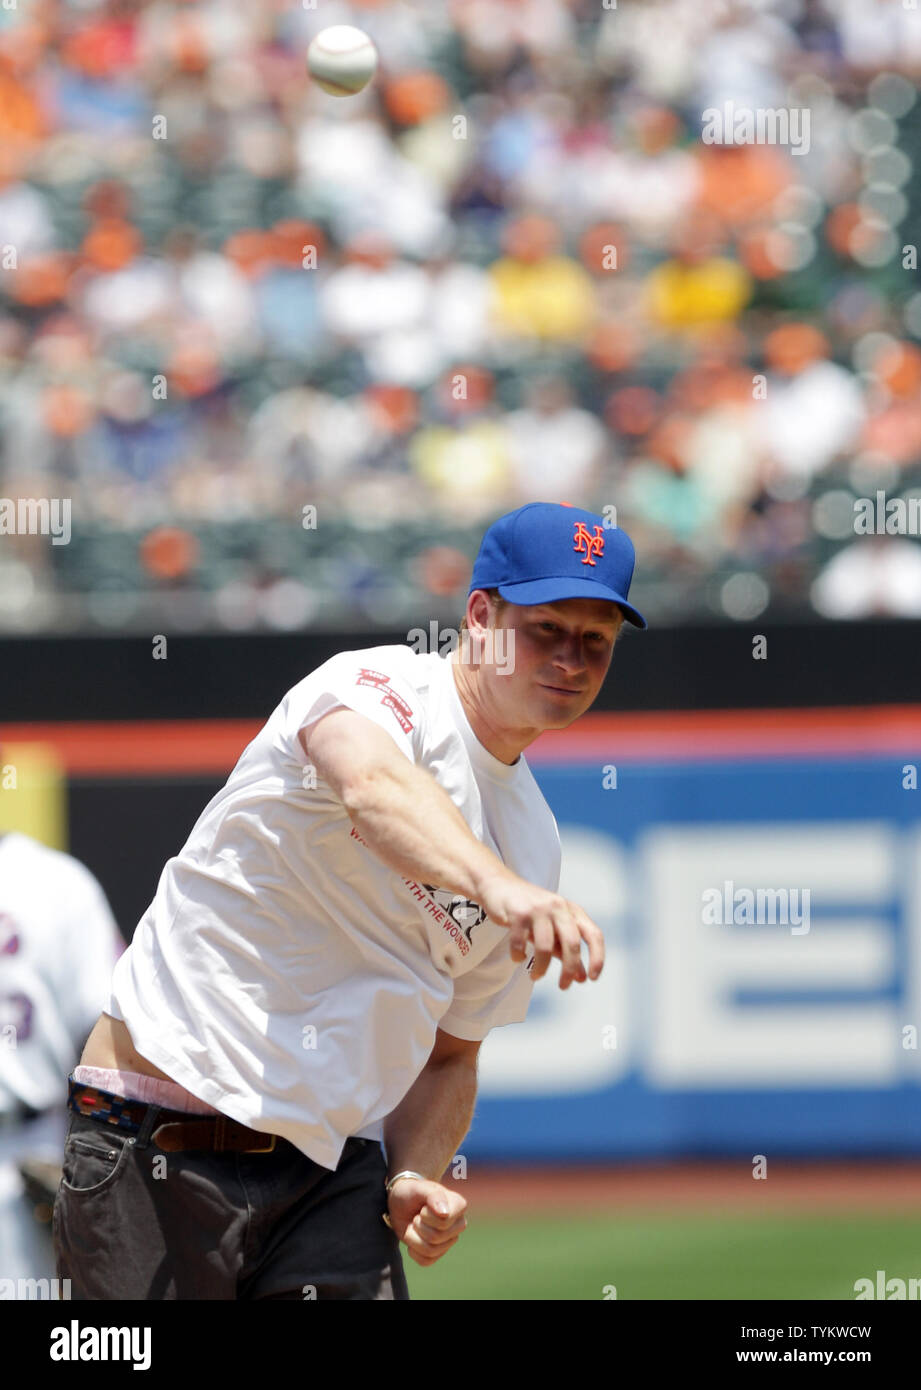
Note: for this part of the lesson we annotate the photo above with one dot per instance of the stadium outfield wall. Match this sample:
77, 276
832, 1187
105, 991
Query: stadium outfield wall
758, 881
718, 666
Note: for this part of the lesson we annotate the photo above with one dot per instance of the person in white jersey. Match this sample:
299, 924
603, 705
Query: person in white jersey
58, 944
287, 1062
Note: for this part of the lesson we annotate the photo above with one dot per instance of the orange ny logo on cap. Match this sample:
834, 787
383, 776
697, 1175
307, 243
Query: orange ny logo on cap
591, 544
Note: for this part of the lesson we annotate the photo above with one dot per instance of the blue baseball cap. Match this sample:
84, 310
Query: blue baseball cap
547, 551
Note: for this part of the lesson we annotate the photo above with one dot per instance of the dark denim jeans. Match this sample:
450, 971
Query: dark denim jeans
133, 1222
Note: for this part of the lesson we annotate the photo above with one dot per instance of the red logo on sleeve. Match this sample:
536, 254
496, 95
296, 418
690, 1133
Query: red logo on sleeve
366, 677
401, 710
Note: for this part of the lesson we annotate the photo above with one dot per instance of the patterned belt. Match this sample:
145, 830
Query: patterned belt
179, 1132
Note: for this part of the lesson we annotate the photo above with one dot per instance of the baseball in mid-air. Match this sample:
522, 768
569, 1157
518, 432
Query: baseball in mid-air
342, 60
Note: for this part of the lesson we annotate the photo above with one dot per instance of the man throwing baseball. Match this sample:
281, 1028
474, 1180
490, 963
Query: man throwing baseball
287, 1062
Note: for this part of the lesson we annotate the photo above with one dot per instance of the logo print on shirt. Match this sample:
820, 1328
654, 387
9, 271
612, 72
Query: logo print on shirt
368, 677
591, 544
463, 912
399, 707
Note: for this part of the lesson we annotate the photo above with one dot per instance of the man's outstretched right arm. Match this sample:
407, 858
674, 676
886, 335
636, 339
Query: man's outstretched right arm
411, 824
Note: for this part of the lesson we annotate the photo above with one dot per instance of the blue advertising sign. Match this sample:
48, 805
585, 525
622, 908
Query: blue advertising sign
762, 986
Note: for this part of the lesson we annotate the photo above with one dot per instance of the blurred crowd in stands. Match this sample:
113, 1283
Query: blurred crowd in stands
516, 267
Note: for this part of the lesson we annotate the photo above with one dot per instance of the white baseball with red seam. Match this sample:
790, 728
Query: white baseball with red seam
342, 60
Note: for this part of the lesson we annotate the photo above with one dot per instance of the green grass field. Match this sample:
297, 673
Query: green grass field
671, 1256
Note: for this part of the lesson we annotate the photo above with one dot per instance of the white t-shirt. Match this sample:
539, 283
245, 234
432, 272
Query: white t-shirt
58, 944
286, 976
